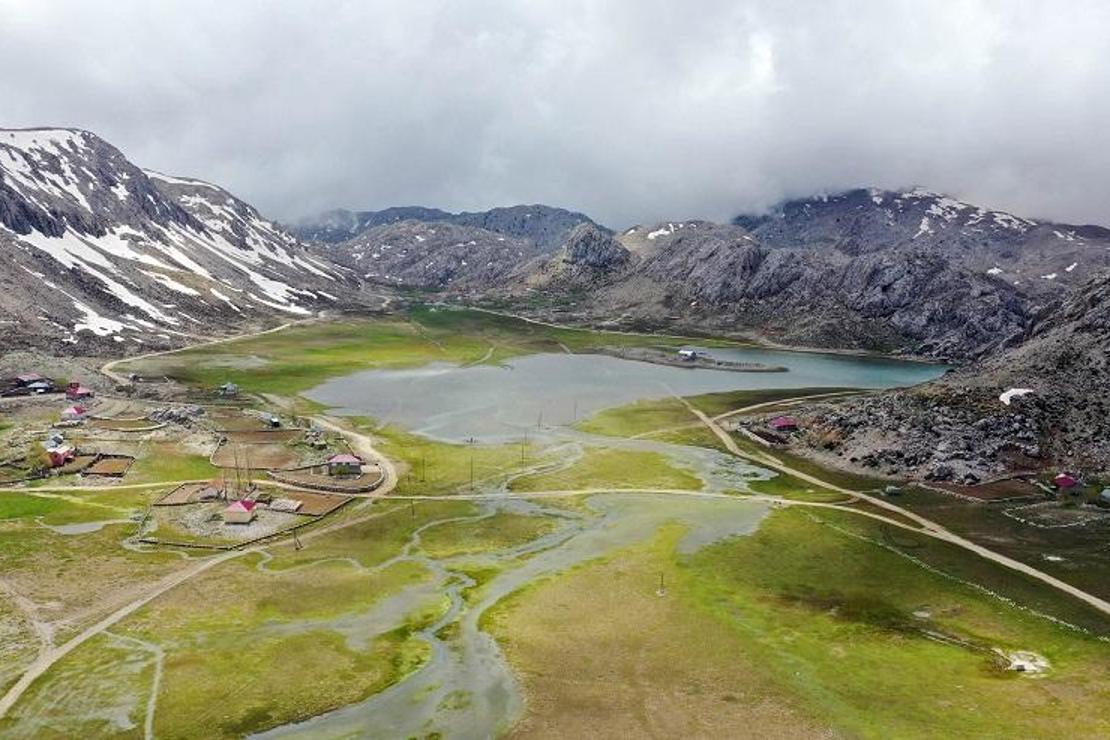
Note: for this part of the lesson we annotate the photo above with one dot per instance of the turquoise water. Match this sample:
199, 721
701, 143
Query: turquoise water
494, 403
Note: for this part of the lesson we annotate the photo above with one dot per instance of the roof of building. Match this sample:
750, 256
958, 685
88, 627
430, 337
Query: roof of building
76, 410
784, 421
1065, 479
29, 377
241, 505
345, 457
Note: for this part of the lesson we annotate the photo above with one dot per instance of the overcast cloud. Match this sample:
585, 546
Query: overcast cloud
630, 110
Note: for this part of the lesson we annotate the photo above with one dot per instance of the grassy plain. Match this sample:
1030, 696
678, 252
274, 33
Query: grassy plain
611, 469
813, 623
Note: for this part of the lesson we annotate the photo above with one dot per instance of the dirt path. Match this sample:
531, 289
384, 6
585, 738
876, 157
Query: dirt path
363, 446
108, 368
48, 657
929, 527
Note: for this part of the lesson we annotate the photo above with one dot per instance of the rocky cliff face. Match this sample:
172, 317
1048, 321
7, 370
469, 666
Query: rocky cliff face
99, 252
962, 428
434, 256
710, 276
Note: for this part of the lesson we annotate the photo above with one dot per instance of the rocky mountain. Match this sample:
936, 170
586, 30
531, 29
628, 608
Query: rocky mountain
544, 227
1041, 403
435, 255
1037, 257
99, 252
725, 278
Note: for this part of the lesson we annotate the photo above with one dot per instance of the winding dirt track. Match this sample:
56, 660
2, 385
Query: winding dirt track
928, 526
363, 445
52, 654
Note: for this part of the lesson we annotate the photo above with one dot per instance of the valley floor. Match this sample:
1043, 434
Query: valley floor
643, 572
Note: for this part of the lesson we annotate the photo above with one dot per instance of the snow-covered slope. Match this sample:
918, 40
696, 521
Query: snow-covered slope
1038, 257
97, 250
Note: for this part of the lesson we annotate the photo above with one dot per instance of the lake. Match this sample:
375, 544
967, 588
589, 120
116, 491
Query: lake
497, 403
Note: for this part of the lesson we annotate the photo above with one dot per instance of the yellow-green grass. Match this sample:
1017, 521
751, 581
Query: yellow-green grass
166, 461
638, 418
18, 504
595, 646
236, 595
614, 469
431, 467
375, 540
841, 621
787, 486
76, 507
720, 403
490, 534
807, 626
100, 690
62, 571
18, 643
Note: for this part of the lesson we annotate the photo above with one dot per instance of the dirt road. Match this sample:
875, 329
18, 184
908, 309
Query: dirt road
108, 368
929, 527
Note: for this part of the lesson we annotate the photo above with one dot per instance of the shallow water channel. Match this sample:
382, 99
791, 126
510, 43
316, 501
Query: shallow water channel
466, 689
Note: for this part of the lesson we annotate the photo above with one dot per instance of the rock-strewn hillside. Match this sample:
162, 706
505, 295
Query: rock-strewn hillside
959, 428
544, 227
99, 252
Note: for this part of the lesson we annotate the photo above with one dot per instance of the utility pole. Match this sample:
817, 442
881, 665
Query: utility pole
412, 508
472, 472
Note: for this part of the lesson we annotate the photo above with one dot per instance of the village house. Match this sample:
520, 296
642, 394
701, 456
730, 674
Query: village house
784, 424
228, 390
344, 464
689, 355
240, 512
75, 392
1065, 481
74, 413
60, 456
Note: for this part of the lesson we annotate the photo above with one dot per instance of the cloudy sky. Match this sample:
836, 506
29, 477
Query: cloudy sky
630, 110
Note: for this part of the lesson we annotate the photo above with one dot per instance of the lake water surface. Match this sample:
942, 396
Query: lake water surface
495, 403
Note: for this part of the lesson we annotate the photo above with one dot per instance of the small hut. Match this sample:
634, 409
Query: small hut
228, 390
240, 512
1104, 498
75, 413
60, 456
784, 424
1065, 481
75, 392
344, 464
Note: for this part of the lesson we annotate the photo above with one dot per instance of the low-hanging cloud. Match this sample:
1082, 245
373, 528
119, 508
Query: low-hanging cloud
630, 110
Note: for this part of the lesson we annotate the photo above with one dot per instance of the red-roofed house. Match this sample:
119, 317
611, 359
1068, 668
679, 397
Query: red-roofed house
1065, 480
74, 413
240, 512
344, 464
60, 456
784, 424
75, 392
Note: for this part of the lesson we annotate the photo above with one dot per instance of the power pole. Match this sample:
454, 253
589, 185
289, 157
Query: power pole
472, 472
